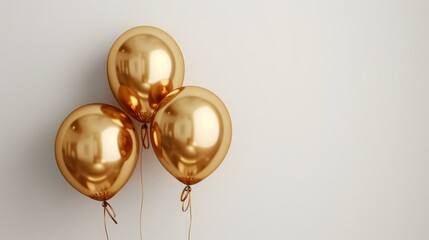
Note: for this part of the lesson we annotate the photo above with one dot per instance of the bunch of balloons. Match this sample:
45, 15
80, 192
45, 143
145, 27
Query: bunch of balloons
97, 146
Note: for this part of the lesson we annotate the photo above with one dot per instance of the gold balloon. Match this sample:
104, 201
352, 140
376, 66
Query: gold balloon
191, 133
143, 66
97, 150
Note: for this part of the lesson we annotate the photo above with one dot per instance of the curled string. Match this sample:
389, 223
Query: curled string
109, 210
185, 198
145, 136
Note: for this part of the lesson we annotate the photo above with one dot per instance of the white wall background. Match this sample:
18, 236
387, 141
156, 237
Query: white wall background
329, 102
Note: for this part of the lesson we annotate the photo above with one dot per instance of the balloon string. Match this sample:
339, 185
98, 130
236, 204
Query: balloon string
145, 145
145, 136
185, 198
141, 199
111, 212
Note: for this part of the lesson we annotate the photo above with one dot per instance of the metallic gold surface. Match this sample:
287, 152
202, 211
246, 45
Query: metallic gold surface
143, 66
97, 150
191, 133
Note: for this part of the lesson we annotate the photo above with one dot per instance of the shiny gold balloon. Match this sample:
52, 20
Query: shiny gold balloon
143, 66
191, 133
97, 150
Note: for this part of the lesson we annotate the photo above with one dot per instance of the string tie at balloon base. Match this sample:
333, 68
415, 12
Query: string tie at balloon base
145, 136
185, 198
111, 212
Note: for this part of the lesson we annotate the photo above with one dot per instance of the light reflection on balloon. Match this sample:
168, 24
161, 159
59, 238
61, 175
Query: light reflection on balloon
160, 69
205, 120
